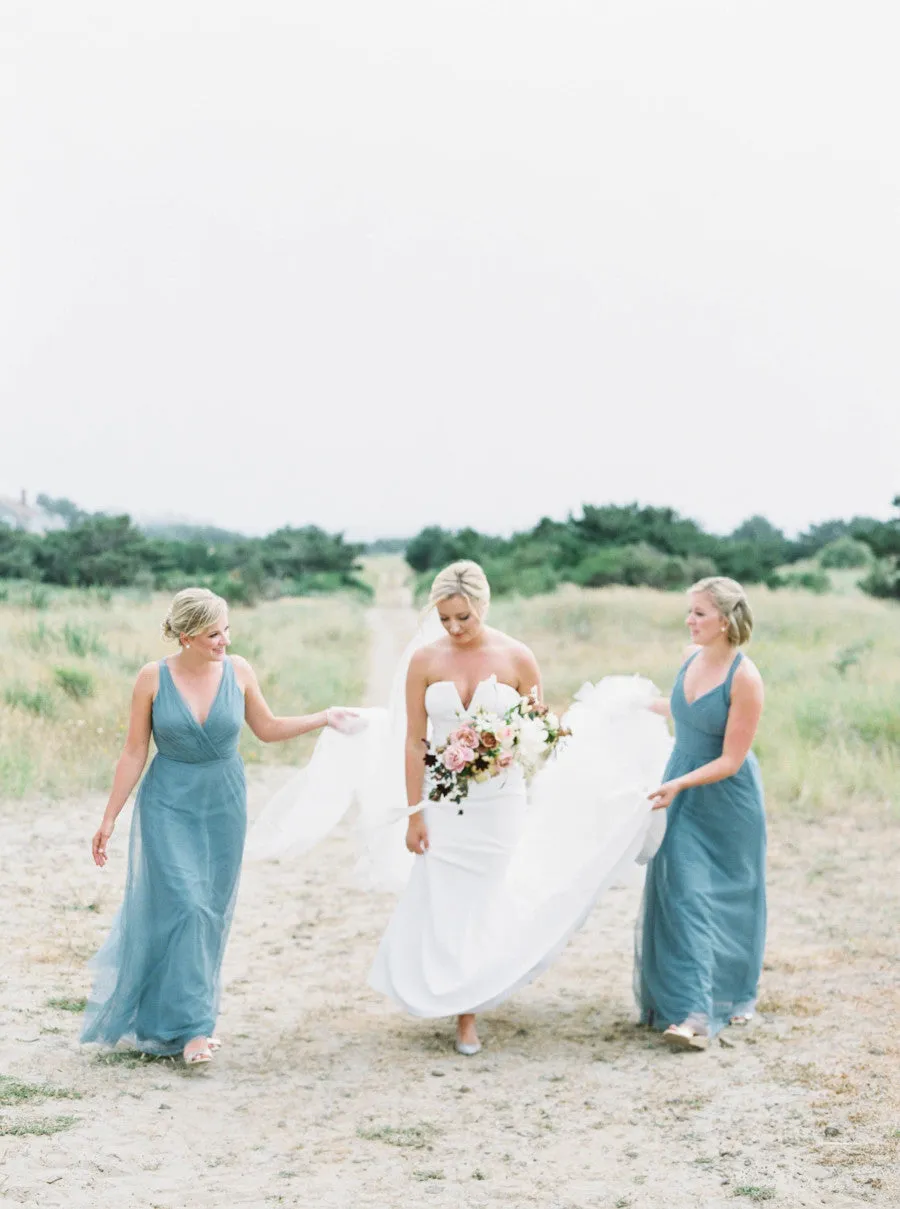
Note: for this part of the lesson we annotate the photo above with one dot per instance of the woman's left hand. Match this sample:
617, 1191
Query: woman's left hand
665, 795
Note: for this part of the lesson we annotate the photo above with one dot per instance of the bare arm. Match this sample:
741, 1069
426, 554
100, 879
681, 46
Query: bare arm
416, 740
264, 724
132, 760
743, 718
529, 674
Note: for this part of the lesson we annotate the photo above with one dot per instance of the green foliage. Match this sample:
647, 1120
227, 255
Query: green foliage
105, 552
39, 597
62, 507
81, 641
99, 550
15, 1092
74, 682
639, 566
36, 701
65, 1004
809, 581
845, 552
883, 580
849, 656
38, 639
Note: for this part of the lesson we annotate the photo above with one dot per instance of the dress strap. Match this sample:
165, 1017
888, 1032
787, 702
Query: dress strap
734, 667
687, 663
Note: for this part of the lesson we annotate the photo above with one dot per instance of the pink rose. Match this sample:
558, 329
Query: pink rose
507, 736
505, 759
466, 736
457, 756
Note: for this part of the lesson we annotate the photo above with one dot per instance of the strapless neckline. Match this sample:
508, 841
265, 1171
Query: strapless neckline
492, 679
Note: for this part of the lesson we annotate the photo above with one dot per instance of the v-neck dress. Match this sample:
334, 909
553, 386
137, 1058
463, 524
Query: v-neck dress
157, 977
702, 926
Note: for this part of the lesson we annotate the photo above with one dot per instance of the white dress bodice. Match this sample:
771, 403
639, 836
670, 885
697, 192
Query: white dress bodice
446, 711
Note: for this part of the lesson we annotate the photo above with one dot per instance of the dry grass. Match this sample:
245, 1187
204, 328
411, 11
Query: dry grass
830, 735
68, 671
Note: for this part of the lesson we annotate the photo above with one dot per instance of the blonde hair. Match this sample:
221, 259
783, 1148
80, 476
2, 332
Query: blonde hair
733, 607
192, 611
463, 578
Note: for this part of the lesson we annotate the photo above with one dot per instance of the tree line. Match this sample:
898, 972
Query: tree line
656, 547
609, 544
97, 550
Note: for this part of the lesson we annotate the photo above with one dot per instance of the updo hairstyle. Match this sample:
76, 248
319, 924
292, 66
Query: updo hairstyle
192, 611
463, 578
731, 602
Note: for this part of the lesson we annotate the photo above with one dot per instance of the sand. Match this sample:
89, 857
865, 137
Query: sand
326, 1096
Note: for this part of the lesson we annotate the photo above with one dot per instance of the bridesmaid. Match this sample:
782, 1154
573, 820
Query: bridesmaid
157, 977
701, 936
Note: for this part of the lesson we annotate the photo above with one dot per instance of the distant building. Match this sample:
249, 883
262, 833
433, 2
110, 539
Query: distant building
19, 514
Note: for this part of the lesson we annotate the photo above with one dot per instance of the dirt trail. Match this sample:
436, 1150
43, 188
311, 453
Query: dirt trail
326, 1096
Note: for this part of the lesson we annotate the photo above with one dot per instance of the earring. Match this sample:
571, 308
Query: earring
187, 646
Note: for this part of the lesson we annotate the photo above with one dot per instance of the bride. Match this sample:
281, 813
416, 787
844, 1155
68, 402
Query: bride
425, 959
496, 888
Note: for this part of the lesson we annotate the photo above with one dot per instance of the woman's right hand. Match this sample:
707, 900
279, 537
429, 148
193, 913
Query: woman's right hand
345, 721
100, 841
417, 834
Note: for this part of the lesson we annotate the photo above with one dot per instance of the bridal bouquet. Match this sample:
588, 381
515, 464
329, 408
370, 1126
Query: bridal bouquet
487, 744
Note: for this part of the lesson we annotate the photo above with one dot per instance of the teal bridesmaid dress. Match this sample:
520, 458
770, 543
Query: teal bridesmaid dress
157, 977
702, 926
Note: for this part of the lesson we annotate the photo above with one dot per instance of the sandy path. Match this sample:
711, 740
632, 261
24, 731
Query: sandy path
326, 1096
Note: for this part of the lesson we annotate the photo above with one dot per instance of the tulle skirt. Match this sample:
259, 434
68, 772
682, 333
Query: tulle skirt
157, 977
702, 926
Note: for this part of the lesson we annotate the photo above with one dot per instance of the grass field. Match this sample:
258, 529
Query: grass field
829, 740
69, 666
830, 734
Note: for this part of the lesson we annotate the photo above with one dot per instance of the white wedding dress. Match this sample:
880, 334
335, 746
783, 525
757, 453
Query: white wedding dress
506, 882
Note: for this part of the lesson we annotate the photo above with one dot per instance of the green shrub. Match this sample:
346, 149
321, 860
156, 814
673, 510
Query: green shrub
845, 552
639, 565
37, 701
234, 589
883, 580
74, 682
39, 597
81, 641
38, 639
809, 581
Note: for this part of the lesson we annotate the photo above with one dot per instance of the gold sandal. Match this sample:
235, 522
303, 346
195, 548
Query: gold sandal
199, 1055
682, 1036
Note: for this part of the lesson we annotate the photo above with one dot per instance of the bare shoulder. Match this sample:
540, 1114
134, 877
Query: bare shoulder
147, 681
243, 670
525, 661
747, 676
421, 661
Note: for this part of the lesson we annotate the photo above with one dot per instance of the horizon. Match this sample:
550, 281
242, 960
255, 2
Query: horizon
358, 538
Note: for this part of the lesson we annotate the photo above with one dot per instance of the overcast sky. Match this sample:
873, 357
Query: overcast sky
380, 265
